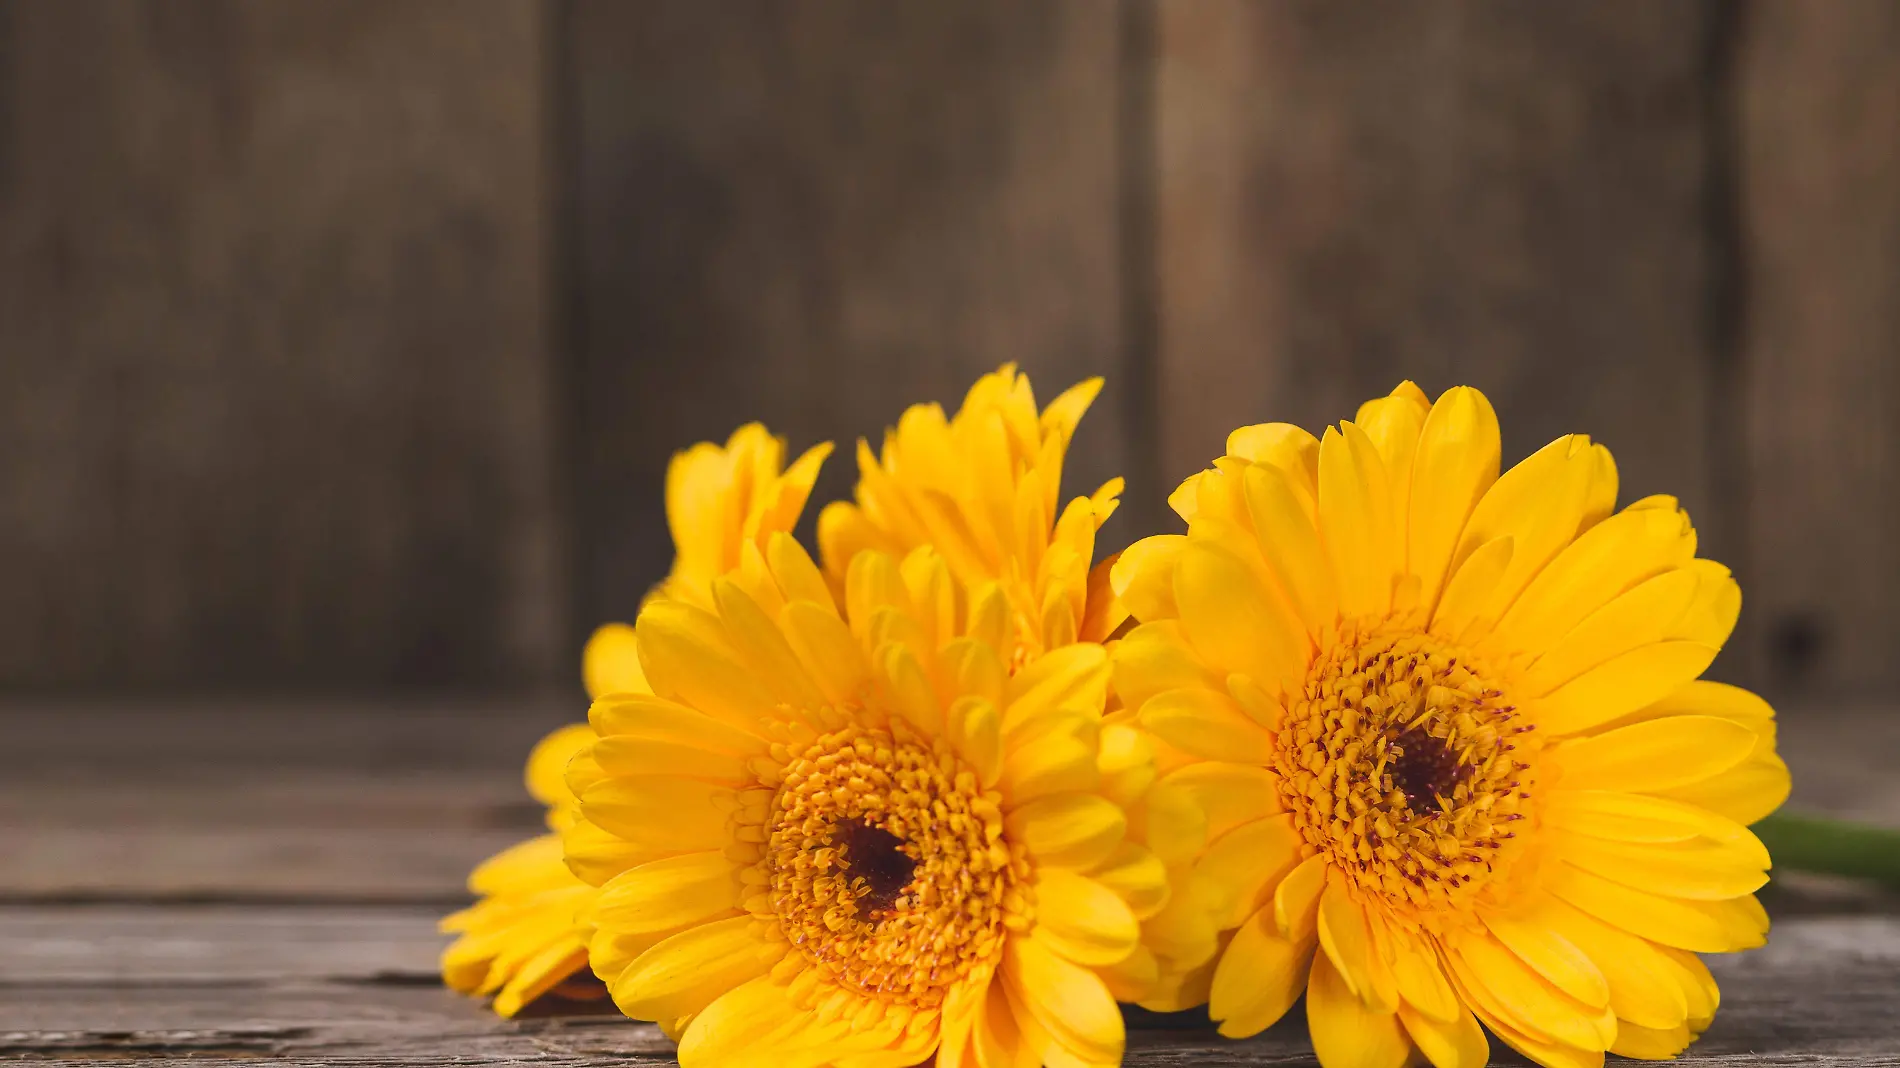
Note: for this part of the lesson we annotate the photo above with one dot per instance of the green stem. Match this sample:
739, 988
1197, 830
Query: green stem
1832, 847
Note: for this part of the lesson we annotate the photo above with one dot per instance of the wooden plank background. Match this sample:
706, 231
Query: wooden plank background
342, 346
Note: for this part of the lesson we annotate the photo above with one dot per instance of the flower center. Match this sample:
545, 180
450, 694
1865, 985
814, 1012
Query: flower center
886, 864
1404, 765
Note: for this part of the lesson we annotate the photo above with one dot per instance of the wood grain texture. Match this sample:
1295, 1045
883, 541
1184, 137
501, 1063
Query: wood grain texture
269, 985
1487, 193
1819, 105
389, 802
273, 408
814, 214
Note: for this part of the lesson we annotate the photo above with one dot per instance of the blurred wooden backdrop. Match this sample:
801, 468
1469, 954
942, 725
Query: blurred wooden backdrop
343, 343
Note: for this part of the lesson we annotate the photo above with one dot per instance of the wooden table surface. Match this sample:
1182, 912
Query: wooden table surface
260, 883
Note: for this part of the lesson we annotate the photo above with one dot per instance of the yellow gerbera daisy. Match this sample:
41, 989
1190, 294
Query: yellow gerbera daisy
522, 938
1450, 736
982, 488
855, 838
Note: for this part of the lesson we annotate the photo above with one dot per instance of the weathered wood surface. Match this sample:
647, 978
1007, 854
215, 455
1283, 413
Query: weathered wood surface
816, 214
230, 800
273, 352
356, 984
1819, 107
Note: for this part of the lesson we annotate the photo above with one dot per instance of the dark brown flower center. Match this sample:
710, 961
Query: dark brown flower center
878, 866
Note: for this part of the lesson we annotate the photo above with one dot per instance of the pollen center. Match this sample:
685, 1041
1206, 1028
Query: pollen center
1408, 768
886, 865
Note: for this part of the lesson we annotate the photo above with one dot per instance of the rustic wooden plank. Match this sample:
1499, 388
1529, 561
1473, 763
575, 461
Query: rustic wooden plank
260, 985
273, 408
815, 214
1819, 103
264, 800
1480, 192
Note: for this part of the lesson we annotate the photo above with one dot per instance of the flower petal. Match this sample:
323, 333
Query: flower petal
1457, 460
687, 972
1347, 1034
1068, 830
1082, 919
1259, 977
1654, 754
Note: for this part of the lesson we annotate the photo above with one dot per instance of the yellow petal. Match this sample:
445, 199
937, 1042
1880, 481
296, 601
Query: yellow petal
1456, 1043
1468, 595
688, 659
1639, 978
1135, 874
1539, 505
1083, 920
1235, 622
1637, 818
610, 662
1342, 934
1552, 956
1208, 724
1291, 545
1227, 794
1296, 899
668, 894
1630, 547
1290, 448
1525, 998
1347, 1034
1649, 1044
1393, 423
1143, 576
1058, 756
1420, 978
1663, 920
1700, 870
661, 813
977, 728
762, 648
1637, 618
1156, 657
1259, 977
1355, 504
627, 755
797, 576
1075, 677
738, 1023
1654, 754
686, 972
1067, 830
1067, 1000
547, 763
1746, 792
1243, 866
826, 648
1456, 461
655, 719
1622, 685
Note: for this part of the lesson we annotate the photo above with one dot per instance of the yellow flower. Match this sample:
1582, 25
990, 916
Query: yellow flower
983, 488
855, 838
523, 937
1450, 736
